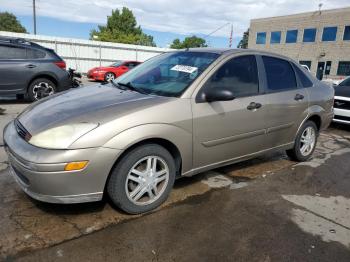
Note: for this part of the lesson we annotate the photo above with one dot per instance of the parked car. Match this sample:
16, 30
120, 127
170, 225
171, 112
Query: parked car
178, 114
29, 69
342, 102
109, 73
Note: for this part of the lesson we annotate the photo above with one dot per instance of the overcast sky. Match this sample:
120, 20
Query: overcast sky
176, 16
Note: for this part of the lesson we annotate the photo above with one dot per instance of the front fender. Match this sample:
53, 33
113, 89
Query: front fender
181, 138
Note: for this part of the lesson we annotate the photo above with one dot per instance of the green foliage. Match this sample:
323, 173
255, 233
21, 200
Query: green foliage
9, 22
189, 42
244, 41
122, 27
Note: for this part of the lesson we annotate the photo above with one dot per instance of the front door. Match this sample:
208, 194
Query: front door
320, 70
224, 130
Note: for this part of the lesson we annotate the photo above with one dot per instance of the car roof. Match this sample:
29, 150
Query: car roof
229, 51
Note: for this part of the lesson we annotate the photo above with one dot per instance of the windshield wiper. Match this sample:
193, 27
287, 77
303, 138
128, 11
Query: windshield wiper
131, 87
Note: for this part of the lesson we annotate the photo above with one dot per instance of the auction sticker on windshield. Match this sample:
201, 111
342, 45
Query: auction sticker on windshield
184, 68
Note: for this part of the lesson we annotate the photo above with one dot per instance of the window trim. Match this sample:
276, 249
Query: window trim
346, 26
280, 37
329, 27
311, 28
261, 85
256, 40
291, 30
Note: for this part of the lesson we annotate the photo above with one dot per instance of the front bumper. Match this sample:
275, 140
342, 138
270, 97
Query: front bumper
96, 76
40, 172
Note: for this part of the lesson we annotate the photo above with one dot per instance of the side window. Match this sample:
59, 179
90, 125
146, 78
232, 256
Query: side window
279, 73
12, 52
35, 54
305, 81
240, 75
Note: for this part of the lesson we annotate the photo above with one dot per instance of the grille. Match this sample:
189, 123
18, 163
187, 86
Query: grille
342, 104
21, 131
345, 118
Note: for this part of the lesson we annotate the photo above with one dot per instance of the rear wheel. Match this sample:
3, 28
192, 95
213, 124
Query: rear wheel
40, 88
142, 180
109, 77
305, 142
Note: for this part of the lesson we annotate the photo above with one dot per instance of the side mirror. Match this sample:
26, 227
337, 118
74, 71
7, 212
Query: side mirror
218, 94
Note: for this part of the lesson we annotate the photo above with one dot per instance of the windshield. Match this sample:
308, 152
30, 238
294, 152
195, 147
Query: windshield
118, 63
168, 74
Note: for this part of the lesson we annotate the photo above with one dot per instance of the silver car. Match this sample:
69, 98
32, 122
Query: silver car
177, 114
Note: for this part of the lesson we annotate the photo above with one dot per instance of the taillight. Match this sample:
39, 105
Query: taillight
61, 64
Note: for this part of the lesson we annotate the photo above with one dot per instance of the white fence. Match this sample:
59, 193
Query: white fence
85, 54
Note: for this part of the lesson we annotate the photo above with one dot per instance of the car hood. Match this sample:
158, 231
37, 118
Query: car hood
342, 91
93, 104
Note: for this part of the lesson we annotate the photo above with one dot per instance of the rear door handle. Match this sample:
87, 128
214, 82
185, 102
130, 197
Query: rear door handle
30, 66
298, 97
254, 106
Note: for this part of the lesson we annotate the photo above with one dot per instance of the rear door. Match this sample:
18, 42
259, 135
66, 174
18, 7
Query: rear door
288, 101
15, 69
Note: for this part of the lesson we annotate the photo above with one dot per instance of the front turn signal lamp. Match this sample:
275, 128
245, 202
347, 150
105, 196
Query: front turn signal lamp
75, 166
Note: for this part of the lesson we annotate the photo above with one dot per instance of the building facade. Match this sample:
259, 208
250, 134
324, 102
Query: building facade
320, 40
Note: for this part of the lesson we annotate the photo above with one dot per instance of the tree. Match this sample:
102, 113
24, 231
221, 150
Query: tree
188, 42
122, 27
244, 41
9, 22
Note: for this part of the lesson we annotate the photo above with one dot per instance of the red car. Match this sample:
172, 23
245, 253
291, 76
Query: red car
111, 72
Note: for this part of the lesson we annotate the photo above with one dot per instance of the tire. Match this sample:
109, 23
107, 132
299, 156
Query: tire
126, 189
297, 153
109, 76
40, 88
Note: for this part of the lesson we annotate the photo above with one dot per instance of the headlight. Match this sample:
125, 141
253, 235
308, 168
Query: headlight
61, 137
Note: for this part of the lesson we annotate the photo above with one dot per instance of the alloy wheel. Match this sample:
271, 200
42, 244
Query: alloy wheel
307, 141
42, 89
109, 77
147, 180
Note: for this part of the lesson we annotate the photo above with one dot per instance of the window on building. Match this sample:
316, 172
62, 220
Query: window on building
279, 73
240, 75
329, 33
309, 35
344, 68
307, 63
261, 38
347, 33
275, 37
292, 36
327, 70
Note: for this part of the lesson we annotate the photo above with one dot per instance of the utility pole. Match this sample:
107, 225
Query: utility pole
34, 17
230, 43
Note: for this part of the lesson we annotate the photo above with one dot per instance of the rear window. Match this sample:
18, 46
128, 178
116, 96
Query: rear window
279, 73
305, 81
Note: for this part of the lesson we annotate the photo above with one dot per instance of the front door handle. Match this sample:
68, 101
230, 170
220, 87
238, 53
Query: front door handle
298, 97
30, 66
254, 106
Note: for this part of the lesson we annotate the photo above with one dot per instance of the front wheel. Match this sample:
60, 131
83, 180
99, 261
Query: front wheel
305, 142
109, 77
143, 179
